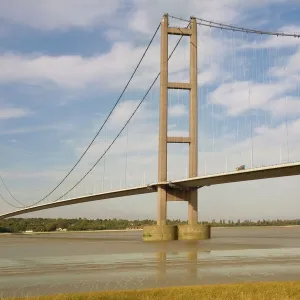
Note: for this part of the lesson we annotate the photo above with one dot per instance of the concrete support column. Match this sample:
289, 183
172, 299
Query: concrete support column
163, 123
193, 208
193, 149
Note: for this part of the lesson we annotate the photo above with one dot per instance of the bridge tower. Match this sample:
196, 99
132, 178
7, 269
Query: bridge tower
166, 193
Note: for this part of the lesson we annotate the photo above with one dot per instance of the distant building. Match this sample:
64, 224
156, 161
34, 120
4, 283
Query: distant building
60, 229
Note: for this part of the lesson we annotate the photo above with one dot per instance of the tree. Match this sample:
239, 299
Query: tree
51, 227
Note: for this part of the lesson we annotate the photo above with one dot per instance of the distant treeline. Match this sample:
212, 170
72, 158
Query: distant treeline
40, 225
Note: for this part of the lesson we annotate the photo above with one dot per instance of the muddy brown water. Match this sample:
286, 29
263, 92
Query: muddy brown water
81, 262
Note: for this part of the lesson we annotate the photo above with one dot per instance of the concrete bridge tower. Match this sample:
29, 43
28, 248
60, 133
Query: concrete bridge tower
193, 230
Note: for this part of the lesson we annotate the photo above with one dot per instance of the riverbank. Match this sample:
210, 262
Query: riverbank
85, 231
133, 230
67, 232
259, 226
247, 291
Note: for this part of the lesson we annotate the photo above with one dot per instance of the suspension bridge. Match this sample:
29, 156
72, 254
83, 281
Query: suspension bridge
227, 96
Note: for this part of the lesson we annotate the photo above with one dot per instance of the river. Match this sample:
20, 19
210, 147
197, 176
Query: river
32, 264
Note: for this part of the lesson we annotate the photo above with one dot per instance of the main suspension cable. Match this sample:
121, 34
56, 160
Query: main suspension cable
90, 170
236, 28
97, 134
122, 129
10, 194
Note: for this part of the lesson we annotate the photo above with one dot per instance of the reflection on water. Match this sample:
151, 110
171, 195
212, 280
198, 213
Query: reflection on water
190, 260
191, 263
39, 266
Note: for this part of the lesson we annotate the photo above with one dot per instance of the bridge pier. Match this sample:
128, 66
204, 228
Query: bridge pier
192, 230
160, 233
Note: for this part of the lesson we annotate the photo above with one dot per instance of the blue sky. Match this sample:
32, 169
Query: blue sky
64, 63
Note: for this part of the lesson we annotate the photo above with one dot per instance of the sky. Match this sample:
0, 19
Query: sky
63, 65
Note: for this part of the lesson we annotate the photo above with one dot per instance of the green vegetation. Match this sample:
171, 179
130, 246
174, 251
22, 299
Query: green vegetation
249, 291
15, 225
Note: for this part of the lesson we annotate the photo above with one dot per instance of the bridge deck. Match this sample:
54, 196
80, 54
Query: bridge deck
244, 175
197, 182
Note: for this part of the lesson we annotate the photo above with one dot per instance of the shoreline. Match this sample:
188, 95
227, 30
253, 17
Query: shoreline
66, 232
85, 231
134, 230
259, 226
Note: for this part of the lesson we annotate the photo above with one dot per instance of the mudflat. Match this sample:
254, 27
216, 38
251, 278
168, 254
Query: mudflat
42, 264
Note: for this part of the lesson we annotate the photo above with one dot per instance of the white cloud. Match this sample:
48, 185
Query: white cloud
108, 70
271, 146
285, 106
115, 35
13, 113
210, 75
276, 41
288, 68
111, 70
142, 139
147, 14
67, 71
177, 110
56, 14
124, 111
239, 97
23, 130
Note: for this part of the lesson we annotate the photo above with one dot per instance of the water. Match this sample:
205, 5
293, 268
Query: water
81, 262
